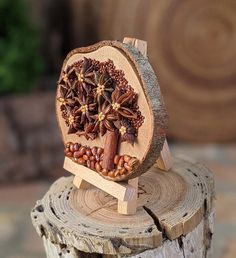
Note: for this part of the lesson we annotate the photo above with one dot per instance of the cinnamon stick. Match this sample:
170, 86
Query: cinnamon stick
110, 149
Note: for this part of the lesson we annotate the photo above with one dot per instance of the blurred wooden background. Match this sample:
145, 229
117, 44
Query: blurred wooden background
191, 45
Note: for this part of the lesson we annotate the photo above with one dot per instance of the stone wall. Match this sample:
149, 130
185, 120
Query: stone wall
30, 142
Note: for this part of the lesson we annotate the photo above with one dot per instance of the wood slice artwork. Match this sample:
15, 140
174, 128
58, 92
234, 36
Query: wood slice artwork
110, 110
192, 46
174, 216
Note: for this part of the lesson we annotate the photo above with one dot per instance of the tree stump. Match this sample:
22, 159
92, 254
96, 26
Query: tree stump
174, 217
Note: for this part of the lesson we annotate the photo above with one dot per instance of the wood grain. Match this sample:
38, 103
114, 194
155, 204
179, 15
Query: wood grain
169, 205
165, 161
122, 191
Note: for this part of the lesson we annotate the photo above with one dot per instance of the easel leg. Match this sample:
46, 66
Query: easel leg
129, 207
80, 183
165, 162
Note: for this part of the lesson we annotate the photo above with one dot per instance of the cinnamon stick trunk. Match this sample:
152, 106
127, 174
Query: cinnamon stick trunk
110, 149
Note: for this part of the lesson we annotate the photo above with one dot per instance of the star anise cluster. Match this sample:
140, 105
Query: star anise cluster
92, 102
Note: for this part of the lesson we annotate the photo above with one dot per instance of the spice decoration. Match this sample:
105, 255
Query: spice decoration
96, 99
92, 157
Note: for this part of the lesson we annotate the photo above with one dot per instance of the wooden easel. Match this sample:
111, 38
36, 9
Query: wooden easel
125, 192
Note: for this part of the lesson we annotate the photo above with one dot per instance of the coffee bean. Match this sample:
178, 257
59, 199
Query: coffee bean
122, 171
85, 157
117, 172
97, 157
99, 151
104, 172
82, 150
76, 146
92, 158
111, 174
126, 166
81, 161
69, 154
94, 150
68, 144
121, 162
98, 167
88, 163
72, 147
88, 152
92, 164
116, 159
127, 158
76, 154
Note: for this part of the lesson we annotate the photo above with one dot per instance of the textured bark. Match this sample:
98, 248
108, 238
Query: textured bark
192, 246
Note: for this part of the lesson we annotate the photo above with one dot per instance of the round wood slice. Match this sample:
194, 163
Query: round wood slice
141, 77
174, 212
191, 44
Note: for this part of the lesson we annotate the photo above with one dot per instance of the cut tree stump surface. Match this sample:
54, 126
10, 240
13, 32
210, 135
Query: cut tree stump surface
170, 205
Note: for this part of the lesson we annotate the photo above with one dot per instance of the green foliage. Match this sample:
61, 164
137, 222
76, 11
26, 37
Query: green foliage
20, 62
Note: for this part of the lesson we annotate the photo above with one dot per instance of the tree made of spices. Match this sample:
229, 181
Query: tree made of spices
95, 98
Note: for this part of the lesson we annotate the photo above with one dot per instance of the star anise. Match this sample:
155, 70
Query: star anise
84, 77
103, 86
67, 87
126, 131
121, 103
72, 118
64, 98
104, 120
88, 131
86, 108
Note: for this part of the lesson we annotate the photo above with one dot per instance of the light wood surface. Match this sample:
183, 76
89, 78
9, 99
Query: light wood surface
78, 181
165, 162
121, 191
141, 45
129, 207
170, 205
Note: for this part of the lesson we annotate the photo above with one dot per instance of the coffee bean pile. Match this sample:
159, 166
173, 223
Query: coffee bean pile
92, 157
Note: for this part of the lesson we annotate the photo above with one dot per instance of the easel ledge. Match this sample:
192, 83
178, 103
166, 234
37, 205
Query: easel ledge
125, 192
